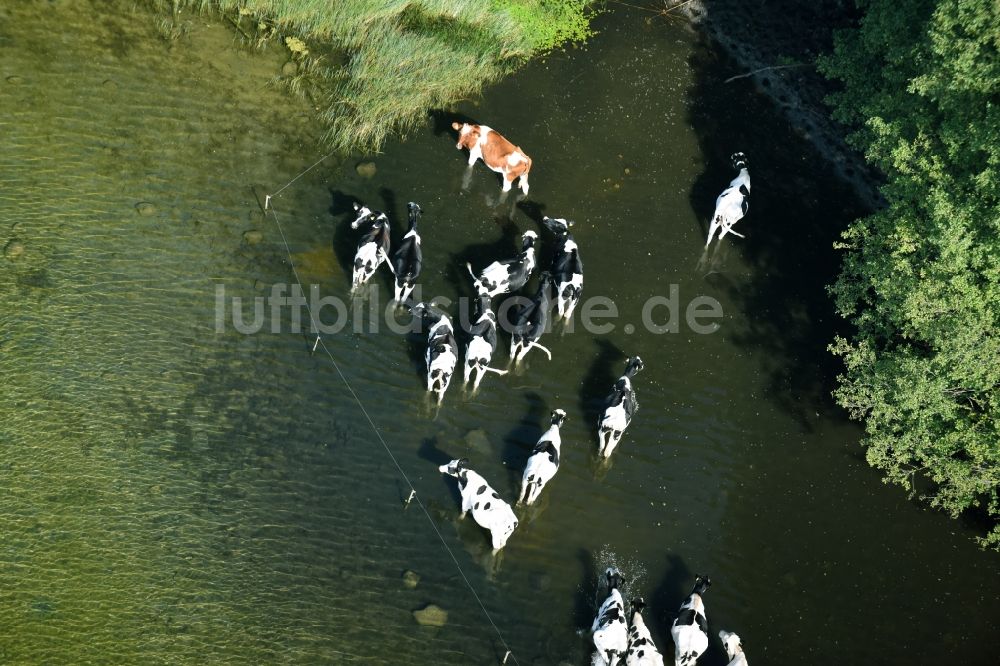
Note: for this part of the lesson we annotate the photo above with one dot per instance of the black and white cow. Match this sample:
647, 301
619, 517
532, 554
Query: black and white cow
483, 340
408, 259
544, 461
567, 267
610, 632
503, 277
530, 321
374, 244
442, 350
488, 510
690, 629
733, 203
620, 406
641, 649
734, 648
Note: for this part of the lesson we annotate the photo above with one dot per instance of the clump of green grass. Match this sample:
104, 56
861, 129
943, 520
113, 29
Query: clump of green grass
550, 23
406, 56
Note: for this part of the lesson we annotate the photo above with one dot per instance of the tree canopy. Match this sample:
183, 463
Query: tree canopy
921, 277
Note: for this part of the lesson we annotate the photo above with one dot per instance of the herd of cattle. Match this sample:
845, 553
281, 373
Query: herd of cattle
562, 284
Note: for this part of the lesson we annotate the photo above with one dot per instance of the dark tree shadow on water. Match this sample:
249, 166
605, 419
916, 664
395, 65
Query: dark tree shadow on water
798, 208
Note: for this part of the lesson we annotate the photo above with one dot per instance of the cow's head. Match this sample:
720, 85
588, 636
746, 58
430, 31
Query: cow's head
364, 214
528, 240
468, 135
456, 468
557, 225
732, 642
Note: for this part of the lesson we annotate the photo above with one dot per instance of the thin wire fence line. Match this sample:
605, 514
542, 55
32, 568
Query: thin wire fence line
269, 206
304, 172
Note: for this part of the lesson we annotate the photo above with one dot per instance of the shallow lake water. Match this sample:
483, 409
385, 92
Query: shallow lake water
172, 493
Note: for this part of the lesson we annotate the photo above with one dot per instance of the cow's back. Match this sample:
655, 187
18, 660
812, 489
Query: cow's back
499, 153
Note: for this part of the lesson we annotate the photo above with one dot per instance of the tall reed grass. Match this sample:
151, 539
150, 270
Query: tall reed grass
408, 56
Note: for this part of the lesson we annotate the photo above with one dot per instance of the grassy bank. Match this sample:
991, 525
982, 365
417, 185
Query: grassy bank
375, 67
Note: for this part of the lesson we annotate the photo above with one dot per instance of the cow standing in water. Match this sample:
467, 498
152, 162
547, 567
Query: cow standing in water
497, 153
690, 629
641, 649
373, 246
620, 406
530, 321
483, 339
734, 648
609, 631
408, 259
733, 203
486, 505
504, 277
442, 350
567, 268
544, 461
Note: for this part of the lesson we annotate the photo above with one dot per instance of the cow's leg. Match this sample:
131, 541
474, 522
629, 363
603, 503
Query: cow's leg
524, 183
727, 228
504, 189
467, 178
712, 228
474, 154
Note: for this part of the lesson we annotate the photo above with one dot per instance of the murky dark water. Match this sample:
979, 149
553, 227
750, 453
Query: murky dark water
174, 494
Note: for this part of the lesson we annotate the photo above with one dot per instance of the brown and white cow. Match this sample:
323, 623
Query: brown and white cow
497, 153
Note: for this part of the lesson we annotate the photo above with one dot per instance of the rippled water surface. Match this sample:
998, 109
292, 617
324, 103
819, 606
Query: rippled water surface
170, 493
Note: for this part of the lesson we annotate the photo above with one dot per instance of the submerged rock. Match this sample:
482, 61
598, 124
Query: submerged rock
478, 441
410, 579
431, 616
290, 68
13, 249
145, 209
252, 237
366, 170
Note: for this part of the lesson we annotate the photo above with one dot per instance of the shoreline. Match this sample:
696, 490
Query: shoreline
796, 88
